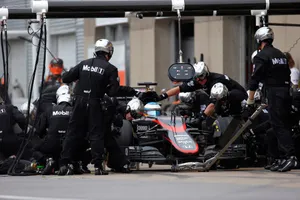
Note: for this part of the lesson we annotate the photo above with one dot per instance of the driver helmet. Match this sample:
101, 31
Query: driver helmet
153, 109
219, 91
135, 107
263, 34
63, 94
201, 70
56, 66
186, 97
104, 45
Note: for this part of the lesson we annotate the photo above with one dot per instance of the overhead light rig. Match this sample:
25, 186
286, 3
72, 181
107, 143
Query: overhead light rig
26, 13
161, 8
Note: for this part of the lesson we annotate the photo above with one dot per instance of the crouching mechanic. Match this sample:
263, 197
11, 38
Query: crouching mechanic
9, 141
115, 113
113, 122
54, 124
205, 80
223, 102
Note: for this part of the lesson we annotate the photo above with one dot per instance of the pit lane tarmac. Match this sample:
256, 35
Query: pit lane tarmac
155, 184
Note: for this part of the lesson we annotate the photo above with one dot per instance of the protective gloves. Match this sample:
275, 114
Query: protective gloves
163, 96
138, 94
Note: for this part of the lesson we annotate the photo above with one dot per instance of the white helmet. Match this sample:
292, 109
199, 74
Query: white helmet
201, 70
105, 46
135, 107
185, 97
63, 94
218, 91
24, 108
264, 33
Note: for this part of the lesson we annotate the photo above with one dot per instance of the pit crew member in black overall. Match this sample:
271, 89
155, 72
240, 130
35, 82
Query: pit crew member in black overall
271, 68
115, 113
55, 120
205, 80
95, 77
9, 141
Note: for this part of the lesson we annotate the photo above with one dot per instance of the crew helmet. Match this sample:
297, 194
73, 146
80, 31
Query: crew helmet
201, 70
63, 94
24, 108
135, 107
264, 33
218, 91
186, 97
104, 45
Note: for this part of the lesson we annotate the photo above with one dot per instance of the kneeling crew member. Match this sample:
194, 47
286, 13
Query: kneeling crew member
56, 120
205, 80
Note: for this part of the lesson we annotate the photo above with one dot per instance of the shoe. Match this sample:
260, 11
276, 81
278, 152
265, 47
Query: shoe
85, 170
100, 171
276, 165
288, 164
125, 169
66, 170
50, 167
77, 168
270, 162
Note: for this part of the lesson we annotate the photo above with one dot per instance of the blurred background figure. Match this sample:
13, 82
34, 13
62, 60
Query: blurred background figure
294, 70
56, 67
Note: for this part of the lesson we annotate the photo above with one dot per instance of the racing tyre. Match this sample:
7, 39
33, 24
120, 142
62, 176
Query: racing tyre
126, 136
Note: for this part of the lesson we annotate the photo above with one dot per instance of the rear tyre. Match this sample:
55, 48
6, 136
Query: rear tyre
126, 134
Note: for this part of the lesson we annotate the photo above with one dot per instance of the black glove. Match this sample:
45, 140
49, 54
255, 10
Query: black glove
118, 121
163, 96
116, 131
138, 94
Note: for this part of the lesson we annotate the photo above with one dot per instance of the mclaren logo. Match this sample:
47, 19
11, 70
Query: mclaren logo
63, 113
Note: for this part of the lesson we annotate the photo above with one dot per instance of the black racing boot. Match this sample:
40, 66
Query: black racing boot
276, 165
288, 164
85, 170
100, 171
270, 162
50, 167
125, 169
77, 168
66, 170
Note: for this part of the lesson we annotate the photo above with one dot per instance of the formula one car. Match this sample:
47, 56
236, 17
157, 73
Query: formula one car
165, 139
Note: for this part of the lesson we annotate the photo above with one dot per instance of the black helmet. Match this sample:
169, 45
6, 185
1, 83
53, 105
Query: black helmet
57, 61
